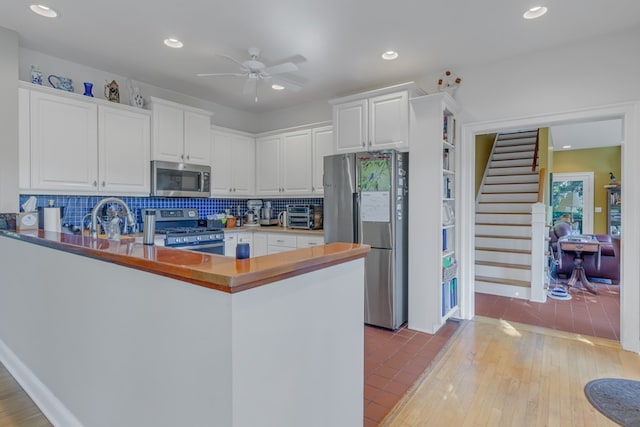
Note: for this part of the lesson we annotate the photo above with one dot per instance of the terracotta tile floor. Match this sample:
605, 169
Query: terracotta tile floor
393, 361
586, 314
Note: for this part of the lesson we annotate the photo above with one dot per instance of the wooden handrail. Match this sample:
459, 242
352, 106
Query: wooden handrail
534, 162
541, 177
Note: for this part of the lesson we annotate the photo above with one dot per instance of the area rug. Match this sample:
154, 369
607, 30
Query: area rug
617, 398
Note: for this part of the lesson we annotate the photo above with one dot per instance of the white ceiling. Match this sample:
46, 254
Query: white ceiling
336, 43
604, 133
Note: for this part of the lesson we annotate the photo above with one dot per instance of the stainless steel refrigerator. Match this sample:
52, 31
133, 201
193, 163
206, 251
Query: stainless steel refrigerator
366, 201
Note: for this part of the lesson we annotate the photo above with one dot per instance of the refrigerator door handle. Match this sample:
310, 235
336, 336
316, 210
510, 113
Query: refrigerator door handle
357, 226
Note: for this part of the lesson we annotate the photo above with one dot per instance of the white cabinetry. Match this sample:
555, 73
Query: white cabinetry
233, 160
283, 164
79, 145
433, 281
232, 238
259, 244
280, 242
180, 133
123, 151
373, 120
322, 145
307, 240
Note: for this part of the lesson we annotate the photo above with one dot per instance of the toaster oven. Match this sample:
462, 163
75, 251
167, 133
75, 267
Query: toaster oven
304, 216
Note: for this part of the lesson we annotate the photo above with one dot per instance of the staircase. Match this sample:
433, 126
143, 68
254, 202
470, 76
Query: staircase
503, 216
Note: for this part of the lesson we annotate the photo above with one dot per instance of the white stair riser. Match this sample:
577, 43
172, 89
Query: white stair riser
510, 188
496, 218
500, 229
510, 171
503, 148
503, 207
512, 179
503, 290
510, 163
527, 138
509, 197
512, 155
499, 243
504, 257
500, 272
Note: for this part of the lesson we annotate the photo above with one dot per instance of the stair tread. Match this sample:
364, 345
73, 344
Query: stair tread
513, 282
508, 251
504, 264
494, 224
510, 192
505, 203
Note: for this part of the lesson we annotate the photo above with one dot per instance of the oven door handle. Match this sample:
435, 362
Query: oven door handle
196, 247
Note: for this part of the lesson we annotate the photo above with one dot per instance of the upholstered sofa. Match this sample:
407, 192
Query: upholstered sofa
609, 255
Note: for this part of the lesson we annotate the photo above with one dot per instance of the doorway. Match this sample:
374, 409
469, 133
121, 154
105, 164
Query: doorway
630, 115
572, 198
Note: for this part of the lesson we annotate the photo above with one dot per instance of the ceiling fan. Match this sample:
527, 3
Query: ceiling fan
254, 70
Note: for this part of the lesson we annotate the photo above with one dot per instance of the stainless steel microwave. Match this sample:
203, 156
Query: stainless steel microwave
170, 179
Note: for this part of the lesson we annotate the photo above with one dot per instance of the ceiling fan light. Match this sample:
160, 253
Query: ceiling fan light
43, 10
535, 12
277, 87
390, 55
174, 43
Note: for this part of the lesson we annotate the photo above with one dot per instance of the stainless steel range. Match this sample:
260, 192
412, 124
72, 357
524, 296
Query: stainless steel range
182, 230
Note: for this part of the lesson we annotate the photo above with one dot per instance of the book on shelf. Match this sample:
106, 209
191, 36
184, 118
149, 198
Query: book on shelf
449, 129
445, 159
447, 187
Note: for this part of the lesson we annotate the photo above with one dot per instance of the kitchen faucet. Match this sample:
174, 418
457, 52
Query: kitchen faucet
96, 209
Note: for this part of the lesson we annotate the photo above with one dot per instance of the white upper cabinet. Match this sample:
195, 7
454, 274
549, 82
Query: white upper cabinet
180, 133
268, 165
233, 160
283, 164
77, 145
350, 124
64, 143
373, 120
296, 162
389, 121
322, 145
123, 146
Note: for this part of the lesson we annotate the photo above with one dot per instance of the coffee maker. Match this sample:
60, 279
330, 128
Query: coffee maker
266, 215
252, 216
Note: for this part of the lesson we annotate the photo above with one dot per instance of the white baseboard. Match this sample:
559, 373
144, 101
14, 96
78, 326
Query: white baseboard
503, 290
52, 408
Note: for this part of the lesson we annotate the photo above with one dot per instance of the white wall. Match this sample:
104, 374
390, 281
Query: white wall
223, 116
596, 72
8, 121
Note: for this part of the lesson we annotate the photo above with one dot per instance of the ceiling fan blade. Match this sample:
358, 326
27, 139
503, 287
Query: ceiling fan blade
293, 87
222, 74
286, 67
231, 59
250, 86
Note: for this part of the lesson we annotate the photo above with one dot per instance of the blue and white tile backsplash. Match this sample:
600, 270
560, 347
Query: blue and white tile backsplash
76, 207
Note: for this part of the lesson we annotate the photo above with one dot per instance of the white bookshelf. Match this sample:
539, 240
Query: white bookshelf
433, 240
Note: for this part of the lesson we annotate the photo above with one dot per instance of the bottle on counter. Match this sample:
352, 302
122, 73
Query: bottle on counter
149, 229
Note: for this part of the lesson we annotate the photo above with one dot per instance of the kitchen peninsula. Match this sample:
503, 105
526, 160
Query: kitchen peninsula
104, 333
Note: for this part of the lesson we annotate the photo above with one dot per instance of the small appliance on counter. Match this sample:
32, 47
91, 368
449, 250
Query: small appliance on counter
252, 216
266, 215
308, 217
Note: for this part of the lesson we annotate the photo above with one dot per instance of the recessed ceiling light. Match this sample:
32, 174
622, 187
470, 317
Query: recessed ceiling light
174, 43
390, 55
564, 147
43, 10
535, 12
277, 87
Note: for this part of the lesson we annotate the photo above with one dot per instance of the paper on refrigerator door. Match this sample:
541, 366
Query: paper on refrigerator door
375, 206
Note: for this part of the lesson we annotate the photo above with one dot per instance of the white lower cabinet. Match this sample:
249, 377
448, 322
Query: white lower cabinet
259, 247
230, 242
307, 240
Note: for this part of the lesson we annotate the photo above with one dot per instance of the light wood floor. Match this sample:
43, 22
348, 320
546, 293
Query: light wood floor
16, 408
498, 373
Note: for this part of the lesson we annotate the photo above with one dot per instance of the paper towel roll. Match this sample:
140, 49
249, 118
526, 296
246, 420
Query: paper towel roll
52, 219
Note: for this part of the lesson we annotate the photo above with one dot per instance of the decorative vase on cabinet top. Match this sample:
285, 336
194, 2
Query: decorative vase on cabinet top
88, 87
62, 83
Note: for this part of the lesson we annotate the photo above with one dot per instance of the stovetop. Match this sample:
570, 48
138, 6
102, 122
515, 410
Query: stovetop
180, 227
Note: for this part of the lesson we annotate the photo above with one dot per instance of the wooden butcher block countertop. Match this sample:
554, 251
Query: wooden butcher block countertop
212, 271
